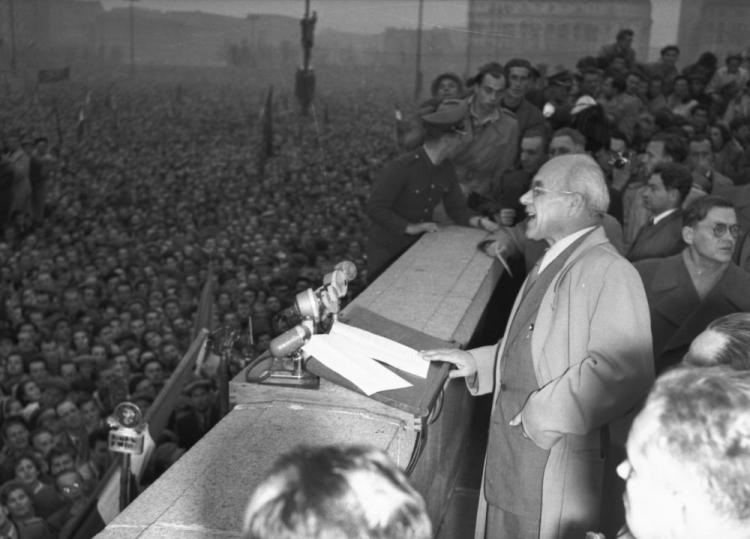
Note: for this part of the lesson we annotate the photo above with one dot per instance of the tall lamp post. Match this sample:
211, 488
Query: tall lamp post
12, 23
132, 38
304, 82
418, 66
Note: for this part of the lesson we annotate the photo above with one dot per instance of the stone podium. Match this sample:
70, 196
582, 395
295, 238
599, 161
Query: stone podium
438, 290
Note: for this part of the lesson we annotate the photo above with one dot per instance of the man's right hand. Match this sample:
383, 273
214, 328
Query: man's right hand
419, 228
464, 362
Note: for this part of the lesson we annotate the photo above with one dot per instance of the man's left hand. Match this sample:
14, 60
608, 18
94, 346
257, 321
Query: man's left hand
516, 421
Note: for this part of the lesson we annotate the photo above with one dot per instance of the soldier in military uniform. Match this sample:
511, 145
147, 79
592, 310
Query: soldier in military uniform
403, 198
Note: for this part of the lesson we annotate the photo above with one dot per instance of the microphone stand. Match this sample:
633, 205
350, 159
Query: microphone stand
318, 310
297, 376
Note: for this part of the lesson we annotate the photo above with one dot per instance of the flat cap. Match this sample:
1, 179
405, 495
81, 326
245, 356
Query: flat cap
562, 78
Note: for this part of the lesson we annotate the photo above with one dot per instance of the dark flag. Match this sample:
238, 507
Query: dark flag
46, 76
81, 125
267, 125
266, 132
304, 88
205, 314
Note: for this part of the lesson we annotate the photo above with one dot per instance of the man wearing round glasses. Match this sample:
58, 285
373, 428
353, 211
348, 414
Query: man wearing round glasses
689, 290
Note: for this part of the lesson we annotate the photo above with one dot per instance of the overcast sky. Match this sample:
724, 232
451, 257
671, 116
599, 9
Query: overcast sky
369, 16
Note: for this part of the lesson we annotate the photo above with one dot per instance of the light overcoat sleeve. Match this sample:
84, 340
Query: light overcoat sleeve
484, 381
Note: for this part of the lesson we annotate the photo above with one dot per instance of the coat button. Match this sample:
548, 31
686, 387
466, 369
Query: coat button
503, 387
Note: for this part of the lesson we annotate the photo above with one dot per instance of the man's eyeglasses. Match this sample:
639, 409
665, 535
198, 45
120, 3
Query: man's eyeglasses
719, 229
538, 190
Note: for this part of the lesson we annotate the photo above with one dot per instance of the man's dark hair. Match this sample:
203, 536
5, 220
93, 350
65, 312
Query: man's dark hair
625, 32
443, 76
675, 176
493, 68
517, 62
674, 146
668, 48
58, 452
699, 208
535, 132
334, 491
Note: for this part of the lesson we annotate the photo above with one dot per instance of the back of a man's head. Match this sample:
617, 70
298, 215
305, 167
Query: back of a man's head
688, 468
726, 341
336, 493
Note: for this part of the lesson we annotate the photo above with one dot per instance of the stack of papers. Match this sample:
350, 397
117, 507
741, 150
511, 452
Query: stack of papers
354, 354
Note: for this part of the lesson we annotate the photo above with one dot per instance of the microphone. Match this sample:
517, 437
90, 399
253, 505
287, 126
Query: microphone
347, 268
289, 342
335, 283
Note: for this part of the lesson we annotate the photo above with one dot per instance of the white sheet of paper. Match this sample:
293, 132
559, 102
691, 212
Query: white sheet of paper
362, 371
382, 349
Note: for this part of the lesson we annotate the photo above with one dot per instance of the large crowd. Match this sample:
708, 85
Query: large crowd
120, 197
158, 184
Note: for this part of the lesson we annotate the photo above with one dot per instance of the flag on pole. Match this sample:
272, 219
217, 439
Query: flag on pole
81, 125
205, 314
104, 504
267, 125
266, 133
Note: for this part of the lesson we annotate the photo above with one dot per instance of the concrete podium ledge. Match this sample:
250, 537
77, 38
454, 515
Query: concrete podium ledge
440, 287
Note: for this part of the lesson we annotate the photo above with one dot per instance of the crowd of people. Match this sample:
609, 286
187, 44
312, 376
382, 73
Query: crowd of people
150, 186
121, 198
620, 192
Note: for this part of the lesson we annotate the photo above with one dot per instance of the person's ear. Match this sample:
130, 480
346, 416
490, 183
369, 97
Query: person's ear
688, 234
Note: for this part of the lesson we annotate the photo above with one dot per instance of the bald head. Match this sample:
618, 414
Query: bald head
568, 194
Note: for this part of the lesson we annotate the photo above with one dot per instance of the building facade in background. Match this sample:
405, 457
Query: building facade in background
719, 26
554, 32
57, 33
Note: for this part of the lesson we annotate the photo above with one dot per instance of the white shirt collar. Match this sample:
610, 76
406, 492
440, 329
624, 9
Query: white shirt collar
664, 215
560, 245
